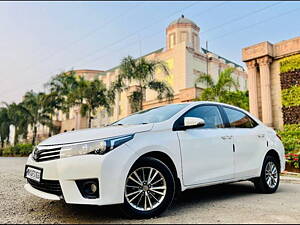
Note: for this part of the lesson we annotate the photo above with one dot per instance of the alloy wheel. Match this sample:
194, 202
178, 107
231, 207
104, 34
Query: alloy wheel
271, 174
146, 188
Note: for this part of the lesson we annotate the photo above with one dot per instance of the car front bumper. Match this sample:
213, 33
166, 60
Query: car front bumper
110, 170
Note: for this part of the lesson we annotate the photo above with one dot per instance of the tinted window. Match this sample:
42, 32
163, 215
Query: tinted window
210, 114
239, 119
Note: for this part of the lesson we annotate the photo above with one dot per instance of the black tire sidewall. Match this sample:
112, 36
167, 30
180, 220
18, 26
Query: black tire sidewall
263, 183
161, 167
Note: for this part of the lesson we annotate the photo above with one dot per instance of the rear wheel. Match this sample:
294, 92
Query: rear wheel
269, 179
149, 190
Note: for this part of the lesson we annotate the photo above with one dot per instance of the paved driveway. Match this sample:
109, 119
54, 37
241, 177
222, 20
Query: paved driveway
232, 203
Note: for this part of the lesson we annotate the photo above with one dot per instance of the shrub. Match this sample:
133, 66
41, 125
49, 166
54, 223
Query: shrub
291, 137
25, 149
291, 96
17, 150
7, 151
293, 159
291, 63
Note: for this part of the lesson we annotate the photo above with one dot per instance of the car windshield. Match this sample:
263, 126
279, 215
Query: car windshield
154, 115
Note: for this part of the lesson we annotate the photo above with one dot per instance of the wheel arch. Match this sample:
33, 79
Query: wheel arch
166, 159
275, 154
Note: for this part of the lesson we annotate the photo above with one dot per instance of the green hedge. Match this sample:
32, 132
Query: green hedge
291, 96
17, 150
290, 64
291, 137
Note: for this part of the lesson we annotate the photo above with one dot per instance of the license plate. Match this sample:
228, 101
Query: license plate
33, 173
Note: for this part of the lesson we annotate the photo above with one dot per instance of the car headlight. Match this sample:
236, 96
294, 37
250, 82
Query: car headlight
99, 147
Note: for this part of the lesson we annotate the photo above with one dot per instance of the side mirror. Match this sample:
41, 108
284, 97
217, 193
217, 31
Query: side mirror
192, 122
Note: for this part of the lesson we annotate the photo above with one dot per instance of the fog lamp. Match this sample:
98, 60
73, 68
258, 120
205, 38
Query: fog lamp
89, 188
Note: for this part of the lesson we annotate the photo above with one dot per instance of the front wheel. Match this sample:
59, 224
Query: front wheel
268, 181
150, 189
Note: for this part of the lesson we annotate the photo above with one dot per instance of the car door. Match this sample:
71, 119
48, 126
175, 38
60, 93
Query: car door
207, 152
249, 142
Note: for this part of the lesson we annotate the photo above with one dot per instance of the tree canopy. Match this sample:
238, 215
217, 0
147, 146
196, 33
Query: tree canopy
224, 90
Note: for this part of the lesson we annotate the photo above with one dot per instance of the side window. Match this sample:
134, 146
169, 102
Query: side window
239, 119
210, 114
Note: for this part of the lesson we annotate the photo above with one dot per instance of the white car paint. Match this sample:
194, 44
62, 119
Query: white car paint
202, 157
95, 133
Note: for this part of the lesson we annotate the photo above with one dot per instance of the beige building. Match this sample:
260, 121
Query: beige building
185, 59
264, 78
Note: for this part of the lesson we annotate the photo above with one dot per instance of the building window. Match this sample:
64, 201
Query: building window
194, 40
183, 36
171, 40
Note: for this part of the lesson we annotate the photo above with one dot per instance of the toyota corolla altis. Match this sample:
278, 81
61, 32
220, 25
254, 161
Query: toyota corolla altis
143, 160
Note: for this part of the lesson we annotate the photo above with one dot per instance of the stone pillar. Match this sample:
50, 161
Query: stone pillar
265, 83
252, 86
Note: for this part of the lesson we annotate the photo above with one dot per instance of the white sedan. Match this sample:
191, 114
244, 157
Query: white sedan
143, 160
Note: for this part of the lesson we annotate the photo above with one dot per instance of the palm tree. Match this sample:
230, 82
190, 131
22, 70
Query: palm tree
225, 89
4, 126
52, 102
237, 98
92, 95
62, 86
18, 117
34, 105
72, 90
215, 90
142, 72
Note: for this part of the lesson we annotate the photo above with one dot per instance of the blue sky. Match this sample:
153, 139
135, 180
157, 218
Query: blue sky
40, 39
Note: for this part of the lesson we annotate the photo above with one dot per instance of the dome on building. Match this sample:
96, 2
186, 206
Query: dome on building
181, 20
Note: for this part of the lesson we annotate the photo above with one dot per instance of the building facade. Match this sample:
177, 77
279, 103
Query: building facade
185, 59
268, 81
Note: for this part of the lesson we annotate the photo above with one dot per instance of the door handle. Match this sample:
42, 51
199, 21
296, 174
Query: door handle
226, 137
261, 135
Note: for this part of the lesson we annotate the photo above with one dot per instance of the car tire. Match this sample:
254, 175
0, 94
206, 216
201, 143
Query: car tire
269, 179
134, 199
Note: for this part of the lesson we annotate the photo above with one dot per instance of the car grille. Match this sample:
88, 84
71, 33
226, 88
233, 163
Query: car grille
48, 186
41, 154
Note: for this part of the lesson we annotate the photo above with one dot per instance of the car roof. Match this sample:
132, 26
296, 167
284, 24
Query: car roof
194, 103
206, 102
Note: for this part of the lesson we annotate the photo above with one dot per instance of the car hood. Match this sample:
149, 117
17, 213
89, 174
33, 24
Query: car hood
95, 133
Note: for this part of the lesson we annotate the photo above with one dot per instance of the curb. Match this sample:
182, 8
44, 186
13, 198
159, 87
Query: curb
289, 179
